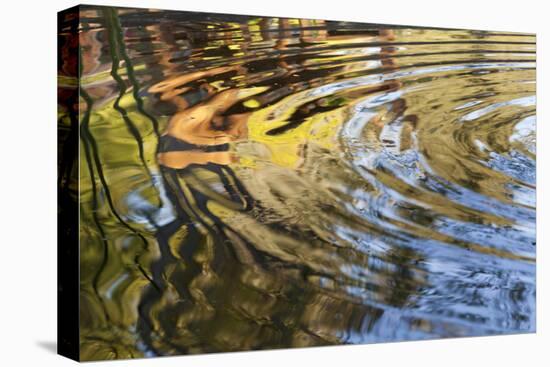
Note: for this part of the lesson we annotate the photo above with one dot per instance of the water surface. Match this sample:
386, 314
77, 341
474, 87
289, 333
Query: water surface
254, 182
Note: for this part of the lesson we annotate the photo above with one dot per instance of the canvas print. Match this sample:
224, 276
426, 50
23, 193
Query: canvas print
240, 182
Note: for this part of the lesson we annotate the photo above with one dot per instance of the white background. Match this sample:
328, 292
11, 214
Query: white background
28, 178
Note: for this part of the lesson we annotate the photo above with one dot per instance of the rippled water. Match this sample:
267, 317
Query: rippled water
252, 183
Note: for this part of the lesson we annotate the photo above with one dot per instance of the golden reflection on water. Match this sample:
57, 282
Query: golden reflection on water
253, 183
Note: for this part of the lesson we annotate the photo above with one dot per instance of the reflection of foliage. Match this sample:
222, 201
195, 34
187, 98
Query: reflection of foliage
287, 244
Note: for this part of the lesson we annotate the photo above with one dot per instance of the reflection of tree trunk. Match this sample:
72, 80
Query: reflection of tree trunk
201, 312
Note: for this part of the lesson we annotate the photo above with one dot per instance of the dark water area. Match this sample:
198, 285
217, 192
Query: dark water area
253, 183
